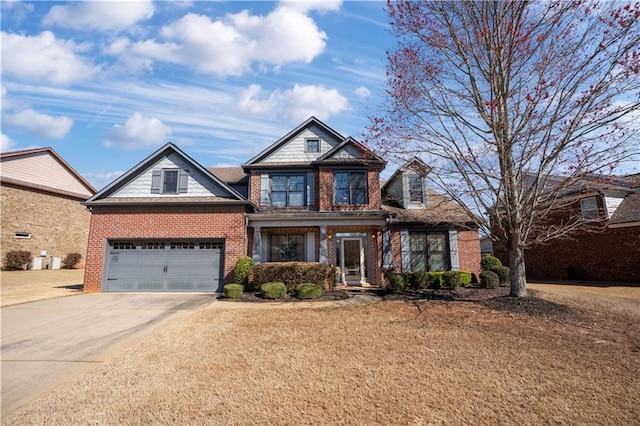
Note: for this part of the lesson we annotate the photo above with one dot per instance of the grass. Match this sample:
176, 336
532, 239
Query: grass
414, 363
28, 286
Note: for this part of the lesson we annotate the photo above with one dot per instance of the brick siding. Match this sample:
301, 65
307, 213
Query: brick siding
150, 222
57, 224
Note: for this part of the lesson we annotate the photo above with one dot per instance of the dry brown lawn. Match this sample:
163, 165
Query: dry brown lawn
28, 286
391, 362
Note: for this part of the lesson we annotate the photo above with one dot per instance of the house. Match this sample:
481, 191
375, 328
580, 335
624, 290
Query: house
313, 195
41, 211
608, 249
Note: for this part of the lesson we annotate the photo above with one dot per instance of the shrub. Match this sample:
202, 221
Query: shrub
17, 260
397, 283
435, 280
466, 277
274, 290
292, 274
490, 263
308, 291
71, 260
233, 291
504, 275
242, 270
489, 279
452, 279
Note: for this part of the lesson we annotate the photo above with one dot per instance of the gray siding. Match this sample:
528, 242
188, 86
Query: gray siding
294, 150
348, 153
198, 185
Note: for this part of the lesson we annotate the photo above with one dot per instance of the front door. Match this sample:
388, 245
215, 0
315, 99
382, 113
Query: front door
353, 261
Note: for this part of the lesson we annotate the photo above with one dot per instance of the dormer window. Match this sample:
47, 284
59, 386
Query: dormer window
589, 207
416, 189
312, 145
169, 181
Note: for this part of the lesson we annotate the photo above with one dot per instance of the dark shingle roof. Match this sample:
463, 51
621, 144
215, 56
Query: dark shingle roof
440, 210
628, 210
229, 175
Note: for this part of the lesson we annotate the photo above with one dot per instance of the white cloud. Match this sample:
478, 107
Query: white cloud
41, 124
363, 92
138, 132
298, 103
304, 6
45, 57
100, 180
230, 45
99, 15
6, 143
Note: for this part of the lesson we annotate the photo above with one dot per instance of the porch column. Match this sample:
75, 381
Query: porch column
257, 246
323, 256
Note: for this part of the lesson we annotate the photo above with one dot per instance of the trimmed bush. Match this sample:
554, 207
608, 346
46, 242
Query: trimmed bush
466, 277
504, 274
233, 291
397, 283
17, 260
452, 279
71, 260
308, 291
435, 280
274, 290
490, 263
242, 270
292, 274
489, 279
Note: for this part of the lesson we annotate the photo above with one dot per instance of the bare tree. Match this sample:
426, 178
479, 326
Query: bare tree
512, 103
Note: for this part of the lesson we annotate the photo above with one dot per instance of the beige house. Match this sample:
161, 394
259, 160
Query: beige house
40, 198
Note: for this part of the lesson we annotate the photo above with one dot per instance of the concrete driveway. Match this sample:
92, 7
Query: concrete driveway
47, 342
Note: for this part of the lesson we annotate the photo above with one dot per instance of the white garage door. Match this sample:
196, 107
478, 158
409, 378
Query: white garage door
164, 266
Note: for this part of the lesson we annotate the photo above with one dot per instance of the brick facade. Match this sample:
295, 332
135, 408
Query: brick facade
150, 222
325, 192
57, 224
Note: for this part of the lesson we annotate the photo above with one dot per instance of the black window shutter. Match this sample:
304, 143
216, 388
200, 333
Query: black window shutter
183, 184
156, 178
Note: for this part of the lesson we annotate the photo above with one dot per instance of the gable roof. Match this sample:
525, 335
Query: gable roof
100, 197
413, 163
292, 134
77, 187
441, 210
368, 156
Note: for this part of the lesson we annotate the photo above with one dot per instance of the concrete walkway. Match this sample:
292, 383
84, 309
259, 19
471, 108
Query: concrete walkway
47, 342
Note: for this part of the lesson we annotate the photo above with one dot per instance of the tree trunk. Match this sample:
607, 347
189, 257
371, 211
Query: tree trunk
518, 276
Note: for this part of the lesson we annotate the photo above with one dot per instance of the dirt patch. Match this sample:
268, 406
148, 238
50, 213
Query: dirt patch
414, 362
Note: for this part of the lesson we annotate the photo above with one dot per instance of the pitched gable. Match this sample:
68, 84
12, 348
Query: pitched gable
351, 150
43, 169
293, 147
168, 175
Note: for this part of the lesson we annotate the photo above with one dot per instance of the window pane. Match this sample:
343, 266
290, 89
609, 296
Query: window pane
437, 262
342, 180
296, 183
287, 248
313, 145
415, 189
437, 242
418, 262
296, 199
279, 183
359, 196
170, 181
341, 196
358, 180
279, 199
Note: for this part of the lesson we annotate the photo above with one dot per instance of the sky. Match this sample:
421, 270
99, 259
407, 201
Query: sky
107, 83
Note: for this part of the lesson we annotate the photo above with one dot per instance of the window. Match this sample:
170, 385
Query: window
428, 251
589, 207
286, 247
169, 181
416, 189
152, 245
287, 190
181, 245
211, 245
22, 235
350, 188
123, 245
312, 145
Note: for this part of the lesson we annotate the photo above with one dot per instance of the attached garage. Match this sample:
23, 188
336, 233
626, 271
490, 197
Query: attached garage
152, 265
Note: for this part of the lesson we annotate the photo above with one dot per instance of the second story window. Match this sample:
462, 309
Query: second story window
287, 190
589, 207
170, 182
312, 145
350, 188
416, 189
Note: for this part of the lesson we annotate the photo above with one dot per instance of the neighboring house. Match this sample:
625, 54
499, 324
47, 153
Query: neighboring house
610, 250
41, 211
312, 196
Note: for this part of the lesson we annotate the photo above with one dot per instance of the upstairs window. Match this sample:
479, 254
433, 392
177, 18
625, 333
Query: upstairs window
287, 190
589, 207
416, 189
312, 145
350, 188
169, 181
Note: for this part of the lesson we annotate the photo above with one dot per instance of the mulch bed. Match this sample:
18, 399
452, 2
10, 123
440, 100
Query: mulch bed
497, 299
